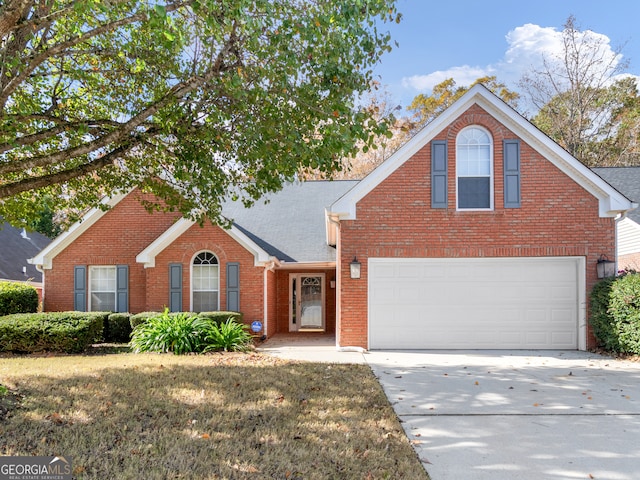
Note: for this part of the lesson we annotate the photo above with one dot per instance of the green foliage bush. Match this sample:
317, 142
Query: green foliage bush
118, 329
167, 332
624, 308
229, 336
184, 332
140, 318
65, 332
221, 317
599, 317
17, 297
615, 313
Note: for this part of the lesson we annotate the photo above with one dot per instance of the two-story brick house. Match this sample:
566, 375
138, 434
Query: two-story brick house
480, 232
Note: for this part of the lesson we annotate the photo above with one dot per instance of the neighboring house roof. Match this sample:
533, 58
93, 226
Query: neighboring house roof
16, 246
611, 202
627, 181
287, 226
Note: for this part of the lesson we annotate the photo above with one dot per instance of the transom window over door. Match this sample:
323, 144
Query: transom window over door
205, 281
474, 169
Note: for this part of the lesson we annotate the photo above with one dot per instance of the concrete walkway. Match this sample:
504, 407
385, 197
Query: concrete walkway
310, 347
503, 415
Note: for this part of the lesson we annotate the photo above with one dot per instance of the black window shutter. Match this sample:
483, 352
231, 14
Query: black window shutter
511, 149
233, 287
80, 288
439, 174
175, 287
122, 287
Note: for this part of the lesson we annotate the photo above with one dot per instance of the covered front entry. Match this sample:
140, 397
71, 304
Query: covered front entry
307, 302
476, 303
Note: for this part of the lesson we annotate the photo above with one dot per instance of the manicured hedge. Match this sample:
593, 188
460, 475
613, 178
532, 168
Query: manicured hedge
221, 317
16, 297
615, 313
117, 328
66, 332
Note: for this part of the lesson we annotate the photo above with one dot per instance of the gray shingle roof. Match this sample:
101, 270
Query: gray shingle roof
291, 225
15, 249
627, 181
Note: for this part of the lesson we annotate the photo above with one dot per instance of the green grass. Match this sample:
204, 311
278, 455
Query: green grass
235, 416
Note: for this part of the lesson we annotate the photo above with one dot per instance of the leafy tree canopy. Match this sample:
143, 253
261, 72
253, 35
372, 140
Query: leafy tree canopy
585, 102
427, 107
188, 99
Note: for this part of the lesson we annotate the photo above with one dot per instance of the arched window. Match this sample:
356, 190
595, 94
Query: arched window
474, 169
205, 281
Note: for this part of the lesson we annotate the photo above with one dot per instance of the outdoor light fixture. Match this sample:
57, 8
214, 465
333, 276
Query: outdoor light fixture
355, 268
606, 268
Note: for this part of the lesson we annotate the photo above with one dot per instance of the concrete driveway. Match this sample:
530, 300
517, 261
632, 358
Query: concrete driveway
516, 415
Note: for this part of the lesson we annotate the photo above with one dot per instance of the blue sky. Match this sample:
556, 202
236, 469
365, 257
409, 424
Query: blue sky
466, 39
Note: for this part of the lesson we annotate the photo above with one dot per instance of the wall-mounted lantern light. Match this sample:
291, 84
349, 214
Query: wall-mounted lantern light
355, 268
606, 268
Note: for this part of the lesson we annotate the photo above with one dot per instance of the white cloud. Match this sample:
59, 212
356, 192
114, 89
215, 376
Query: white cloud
528, 45
463, 75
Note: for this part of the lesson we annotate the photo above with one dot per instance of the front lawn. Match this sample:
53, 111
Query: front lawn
162, 416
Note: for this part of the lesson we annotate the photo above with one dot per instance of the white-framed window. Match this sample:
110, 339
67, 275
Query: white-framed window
205, 281
102, 288
474, 169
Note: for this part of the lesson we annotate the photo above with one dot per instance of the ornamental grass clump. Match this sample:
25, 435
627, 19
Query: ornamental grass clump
177, 333
182, 333
229, 336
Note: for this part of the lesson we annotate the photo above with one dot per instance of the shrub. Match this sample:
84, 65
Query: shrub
140, 318
221, 317
229, 336
624, 308
118, 328
615, 313
165, 332
599, 318
17, 297
66, 332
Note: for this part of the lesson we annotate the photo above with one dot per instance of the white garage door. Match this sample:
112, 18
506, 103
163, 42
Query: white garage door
481, 303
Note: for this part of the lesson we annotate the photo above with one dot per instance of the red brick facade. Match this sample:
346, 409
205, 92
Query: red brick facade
557, 218
126, 230
115, 239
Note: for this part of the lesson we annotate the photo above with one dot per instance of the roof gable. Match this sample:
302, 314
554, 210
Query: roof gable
611, 202
149, 254
45, 257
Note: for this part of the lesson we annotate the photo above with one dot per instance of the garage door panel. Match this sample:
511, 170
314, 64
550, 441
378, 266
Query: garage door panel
473, 303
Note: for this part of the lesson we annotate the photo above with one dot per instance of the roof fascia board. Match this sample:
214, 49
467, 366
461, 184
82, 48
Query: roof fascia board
44, 259
611, 202
149, 254
306, 265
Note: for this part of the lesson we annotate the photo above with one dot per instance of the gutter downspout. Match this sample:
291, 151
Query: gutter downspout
335, 222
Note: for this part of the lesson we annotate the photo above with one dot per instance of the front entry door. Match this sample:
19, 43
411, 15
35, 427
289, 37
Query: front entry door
306, 302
